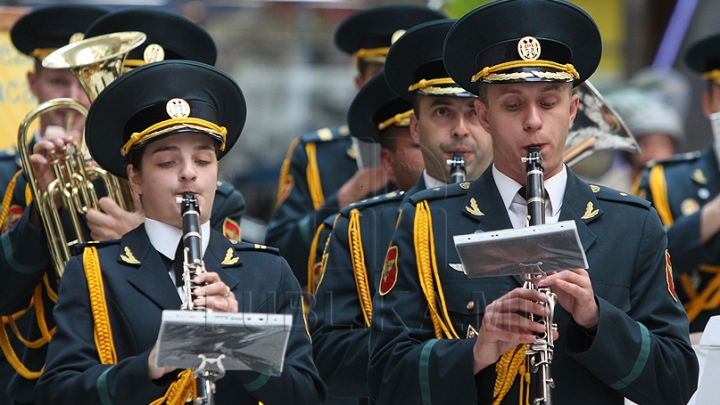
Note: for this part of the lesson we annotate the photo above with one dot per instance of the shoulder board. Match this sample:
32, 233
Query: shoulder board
245, 247
8, 153
679, 158
396, 196
224, 187
436, 193
77, 249
610, 194
326, 134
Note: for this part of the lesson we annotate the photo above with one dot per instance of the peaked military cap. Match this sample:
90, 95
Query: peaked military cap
509, 41
703, 57
169, 35
162, 99
46, 29
375, 108
415, 63
368, 33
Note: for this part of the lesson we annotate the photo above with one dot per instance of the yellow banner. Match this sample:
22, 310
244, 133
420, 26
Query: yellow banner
16, 100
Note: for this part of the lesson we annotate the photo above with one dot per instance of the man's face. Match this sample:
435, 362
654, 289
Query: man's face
654, 146
48, 84
520, 115
445, 125
404, 163
172, 166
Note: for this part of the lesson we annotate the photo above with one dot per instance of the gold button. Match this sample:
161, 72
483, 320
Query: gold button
470, 305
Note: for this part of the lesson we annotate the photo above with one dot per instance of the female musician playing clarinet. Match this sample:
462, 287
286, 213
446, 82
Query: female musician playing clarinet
164, 127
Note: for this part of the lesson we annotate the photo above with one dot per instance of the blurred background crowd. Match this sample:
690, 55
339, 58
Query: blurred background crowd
296, 80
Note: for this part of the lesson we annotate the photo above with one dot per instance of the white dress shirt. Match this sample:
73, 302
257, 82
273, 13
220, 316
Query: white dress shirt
516, 205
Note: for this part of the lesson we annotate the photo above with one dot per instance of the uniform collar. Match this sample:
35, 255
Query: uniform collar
165, 238
555, 187
432, 182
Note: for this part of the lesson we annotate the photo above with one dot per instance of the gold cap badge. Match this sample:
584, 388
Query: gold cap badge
529, 48
153, 53
178, 108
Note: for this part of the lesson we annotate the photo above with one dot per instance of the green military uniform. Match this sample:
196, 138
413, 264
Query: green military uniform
428, 312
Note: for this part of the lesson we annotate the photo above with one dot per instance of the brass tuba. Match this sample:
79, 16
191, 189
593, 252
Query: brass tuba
96, 62
596, 127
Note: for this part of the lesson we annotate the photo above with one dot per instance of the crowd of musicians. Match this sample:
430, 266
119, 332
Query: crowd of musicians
468, 116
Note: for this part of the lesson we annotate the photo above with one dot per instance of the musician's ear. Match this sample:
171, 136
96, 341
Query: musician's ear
134, 179
481, 111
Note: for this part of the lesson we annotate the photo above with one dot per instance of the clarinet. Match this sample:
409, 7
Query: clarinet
193, 265
540, 353
457, 167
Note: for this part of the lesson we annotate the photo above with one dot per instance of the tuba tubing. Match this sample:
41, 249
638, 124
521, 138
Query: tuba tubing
95, 62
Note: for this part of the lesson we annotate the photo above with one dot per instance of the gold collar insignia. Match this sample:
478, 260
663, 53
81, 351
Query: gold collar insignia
229, 259
474, 209
589, 211
699, 177
129, 257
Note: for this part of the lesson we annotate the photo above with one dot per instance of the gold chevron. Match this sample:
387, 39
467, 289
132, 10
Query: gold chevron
589, 211
229, 259
699, 176
473, 208
129, 257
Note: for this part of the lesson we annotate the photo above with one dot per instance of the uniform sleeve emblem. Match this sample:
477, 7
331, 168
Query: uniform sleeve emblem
669, 276
231, 229
318, 273
12, 217
389, 273
285, 188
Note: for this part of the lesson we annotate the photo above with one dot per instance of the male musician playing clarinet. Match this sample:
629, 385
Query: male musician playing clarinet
440, 337
442, 123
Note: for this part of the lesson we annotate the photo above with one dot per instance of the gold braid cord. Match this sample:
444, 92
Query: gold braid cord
284, 187
357, 257
312, 288
658, 189
7, 199
313, 177
427, 271
45, 337
180, 389
512, 364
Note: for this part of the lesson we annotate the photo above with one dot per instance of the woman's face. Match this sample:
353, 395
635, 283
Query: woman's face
171, 166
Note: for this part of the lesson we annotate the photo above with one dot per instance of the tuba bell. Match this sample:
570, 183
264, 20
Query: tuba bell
96, 62
596, 127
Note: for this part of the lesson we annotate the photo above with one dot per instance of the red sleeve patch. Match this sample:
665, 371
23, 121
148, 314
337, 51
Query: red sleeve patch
231, 229
389, 273
669, 276
285, 189
318, 274
12, 217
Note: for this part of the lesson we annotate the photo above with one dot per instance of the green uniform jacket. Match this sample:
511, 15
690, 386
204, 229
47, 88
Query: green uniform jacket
641, 349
